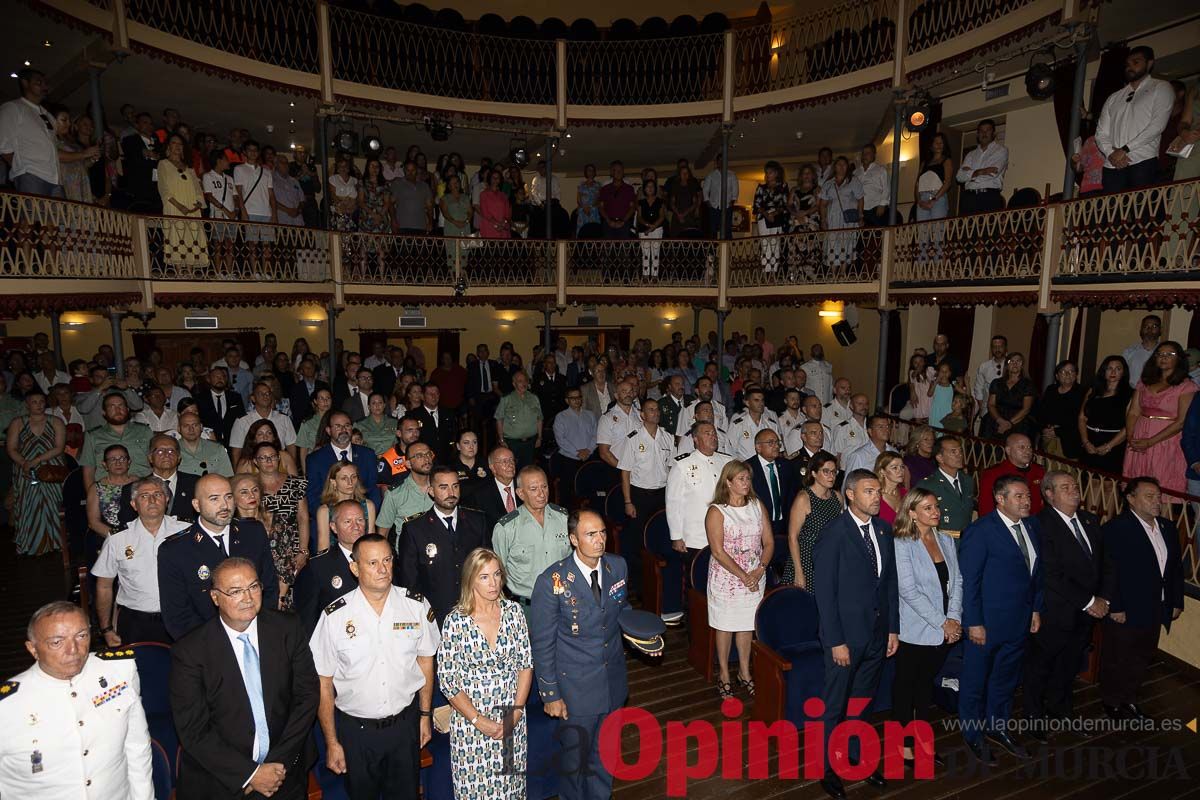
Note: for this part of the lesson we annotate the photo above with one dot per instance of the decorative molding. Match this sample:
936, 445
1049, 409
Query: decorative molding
1122, 297
234, 300
31, 305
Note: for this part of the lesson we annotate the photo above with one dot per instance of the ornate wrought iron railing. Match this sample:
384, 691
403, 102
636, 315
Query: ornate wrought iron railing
184, 248
508, 262
380, 51
834, 41
433, 261
994, 246
648, 262
811, 257
931, 22
280, 32
1143, 234
44, 238
645, 71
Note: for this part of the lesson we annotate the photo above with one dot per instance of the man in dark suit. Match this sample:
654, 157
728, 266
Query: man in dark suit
494, 496
186, 561
387, 373
859, 607
576, 646
358, 405
219, 408
1144, 585
1001, 564
180, 487
343, 382
551, 389
244, 696
483, 388
327, 576
340, 448
775, 483
434, 546
139, 158
439, 429
303, 389
1072, 569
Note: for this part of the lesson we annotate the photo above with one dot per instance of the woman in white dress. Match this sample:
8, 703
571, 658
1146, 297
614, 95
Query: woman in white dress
841, 210
739, 536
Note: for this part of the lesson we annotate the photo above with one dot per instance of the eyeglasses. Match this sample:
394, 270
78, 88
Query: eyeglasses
117, 459
1167, 354
239, 592
164, 451
266, 459
770, 442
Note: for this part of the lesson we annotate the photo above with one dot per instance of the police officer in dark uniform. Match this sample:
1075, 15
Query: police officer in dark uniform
434, 545
187, 559
327, 575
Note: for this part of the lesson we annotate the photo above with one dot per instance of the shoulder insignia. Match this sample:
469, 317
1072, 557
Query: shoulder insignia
843, 422
827, 405
417, 515
558, 508
736, 421
414, 595
682, 456
507, 518
335, 605
431, 616
631, 434
114, 655
9, 688
178, 536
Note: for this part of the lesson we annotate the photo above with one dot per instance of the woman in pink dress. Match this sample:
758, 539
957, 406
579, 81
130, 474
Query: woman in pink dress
495, 212
740, 538
892, 473
1154, 421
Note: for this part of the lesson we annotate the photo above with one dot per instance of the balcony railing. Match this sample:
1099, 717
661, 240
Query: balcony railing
43, 238
377, 51
645, 263
182, 248
817, 257
1000, 246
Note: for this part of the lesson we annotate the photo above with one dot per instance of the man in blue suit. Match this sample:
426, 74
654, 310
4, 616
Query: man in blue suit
859, 607
577, 653
1002, 604
340, 448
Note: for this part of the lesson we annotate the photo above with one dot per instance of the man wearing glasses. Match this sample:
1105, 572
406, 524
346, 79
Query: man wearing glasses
131, 556
244, 694
27, 140
178, 487
187, 561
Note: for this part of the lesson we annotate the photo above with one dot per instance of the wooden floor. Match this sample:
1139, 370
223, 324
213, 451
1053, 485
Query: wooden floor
1071, 766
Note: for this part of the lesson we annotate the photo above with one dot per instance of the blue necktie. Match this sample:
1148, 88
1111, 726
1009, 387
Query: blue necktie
253, 675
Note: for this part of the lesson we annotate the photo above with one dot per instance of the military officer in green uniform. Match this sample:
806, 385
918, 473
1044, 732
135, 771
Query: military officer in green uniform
519, 425
531, 538
117, 429
197, 455
954, 488
409, 499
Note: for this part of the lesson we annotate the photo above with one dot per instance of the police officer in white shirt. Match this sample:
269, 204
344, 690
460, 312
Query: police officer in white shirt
375, 647
1131, 124
131, 555
879, 430
745, 426
982, 172
838, 409
690, 487
703, 411
792, 416
851, 433
617, 422
804, 442
704, 394
815, 412
820, 374
644, 463
72, 725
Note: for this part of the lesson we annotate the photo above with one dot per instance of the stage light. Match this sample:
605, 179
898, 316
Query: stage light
916, 115
439, 130
346, 141
1039, 80
371, 143
518, 153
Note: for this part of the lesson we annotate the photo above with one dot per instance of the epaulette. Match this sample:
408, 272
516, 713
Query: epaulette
682, 456
178, 536
9, 688
414, 595
843, 422
631, 434
507, 518
417, 515
114, 655
558, 508
335, 605
736, 421
827, 405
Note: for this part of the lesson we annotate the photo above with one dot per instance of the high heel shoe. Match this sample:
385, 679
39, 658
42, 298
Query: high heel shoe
725, 690
748, 685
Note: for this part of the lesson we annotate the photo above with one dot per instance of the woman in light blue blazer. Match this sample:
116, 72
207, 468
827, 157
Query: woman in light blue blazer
930, 588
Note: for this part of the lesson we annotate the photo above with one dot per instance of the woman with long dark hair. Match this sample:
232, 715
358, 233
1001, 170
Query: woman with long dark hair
819, 503
1010, 402
1102, 418
1154, 420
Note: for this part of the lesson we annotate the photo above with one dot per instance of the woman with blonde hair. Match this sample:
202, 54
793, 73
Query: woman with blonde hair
741, 542
485, 670
930, 589
892, 474
342, 484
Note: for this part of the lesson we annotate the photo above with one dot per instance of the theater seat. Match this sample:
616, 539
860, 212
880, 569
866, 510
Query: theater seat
154, 674
656, 540
162, 771
592, 482
614, 518
787, 665
701, 641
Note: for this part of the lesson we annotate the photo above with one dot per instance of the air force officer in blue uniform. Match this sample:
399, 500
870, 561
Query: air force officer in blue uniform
578, 657
1002, 602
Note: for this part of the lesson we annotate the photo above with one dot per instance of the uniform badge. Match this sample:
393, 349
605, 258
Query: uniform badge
430, 550
571, 577
35, 761
103, 682
350, 630
336, 581
204, 572
199, 537
641, 447
745, 434
481, 472
573, 601
33, 719
574, 628
128, 552
557, 587
616, 418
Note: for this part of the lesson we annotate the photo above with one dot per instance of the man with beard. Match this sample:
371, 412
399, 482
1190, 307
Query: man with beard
704, 394
617, 422
340, 448
411, 498
393, 465
1131, 123
219, 408
117, 429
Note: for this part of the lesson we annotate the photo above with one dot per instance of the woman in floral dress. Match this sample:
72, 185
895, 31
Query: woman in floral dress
283, 498
484, 668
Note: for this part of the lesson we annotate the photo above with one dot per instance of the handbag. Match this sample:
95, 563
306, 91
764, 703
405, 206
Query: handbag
849, 216
52, 473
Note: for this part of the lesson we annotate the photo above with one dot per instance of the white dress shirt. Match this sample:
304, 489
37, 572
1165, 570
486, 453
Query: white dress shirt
537, 189
711, 187
876, 185
858, 523
45, 384
1135, 119
282, 423
1154, 534
1136, 356
988, 371
131, 555
996, 155
1008, 526
819, 381
27, 131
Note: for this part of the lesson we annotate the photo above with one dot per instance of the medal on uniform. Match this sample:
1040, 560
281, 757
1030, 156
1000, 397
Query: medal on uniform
336, 581
33, 719
350, 631
204, 572
571, 577
430, 550
128, 552
199, 537
641, 447
574, 628
481, 472
35, 761
557, 586
103, 682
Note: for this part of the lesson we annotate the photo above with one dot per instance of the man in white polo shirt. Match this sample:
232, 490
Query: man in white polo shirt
27, 140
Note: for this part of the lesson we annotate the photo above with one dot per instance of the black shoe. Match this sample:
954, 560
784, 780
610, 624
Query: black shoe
1008, 745
877, 780
833, 787
1132, 711
982, 753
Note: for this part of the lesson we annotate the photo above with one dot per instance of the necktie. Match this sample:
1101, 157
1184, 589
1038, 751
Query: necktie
957, 486
345, 457
220, 410
510, 505
866, 532
776, 512
354, 392
221, 543
1021, 544
166, 487
252, 672
450, 524
596, 585
1079, 537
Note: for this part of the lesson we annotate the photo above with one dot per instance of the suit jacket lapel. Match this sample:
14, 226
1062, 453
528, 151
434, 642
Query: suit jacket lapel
229, 666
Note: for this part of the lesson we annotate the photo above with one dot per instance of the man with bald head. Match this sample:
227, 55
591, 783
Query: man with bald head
186, 561
1018, 460
327, 575
198, 455
616, 422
